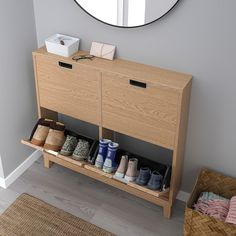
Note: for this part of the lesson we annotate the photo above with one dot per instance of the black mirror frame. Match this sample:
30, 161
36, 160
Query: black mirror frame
127, 27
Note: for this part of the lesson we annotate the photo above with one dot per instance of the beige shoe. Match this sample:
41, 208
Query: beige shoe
55, 138
40, 132
132, 171
120, 173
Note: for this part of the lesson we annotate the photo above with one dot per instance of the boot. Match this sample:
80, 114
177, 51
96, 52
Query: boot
102, 153
110, 164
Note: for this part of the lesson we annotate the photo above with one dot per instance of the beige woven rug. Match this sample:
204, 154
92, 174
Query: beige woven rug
30, 216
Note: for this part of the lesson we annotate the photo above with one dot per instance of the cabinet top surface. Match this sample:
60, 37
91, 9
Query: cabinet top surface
131, 69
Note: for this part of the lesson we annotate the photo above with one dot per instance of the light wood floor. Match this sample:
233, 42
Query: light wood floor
109, 208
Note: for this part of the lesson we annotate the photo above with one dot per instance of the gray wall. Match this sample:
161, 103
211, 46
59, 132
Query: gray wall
197, 37
157, 8
17, 96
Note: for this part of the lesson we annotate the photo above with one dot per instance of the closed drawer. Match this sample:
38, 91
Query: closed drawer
149, 113
70, 91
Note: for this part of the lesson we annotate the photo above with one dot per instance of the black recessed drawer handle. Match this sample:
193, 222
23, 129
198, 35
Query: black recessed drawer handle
138, 84
65, 65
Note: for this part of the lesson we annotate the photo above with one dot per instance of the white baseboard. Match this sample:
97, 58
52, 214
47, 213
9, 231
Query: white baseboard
2, 183
6, 182
183, 196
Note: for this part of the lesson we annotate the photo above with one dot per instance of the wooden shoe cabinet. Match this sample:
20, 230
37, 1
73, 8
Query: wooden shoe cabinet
137, 100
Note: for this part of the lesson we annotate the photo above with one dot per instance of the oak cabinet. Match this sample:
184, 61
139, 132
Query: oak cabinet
138, 100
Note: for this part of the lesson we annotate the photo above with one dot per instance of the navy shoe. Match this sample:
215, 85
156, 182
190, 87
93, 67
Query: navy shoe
144, 176
155, 181
102, 153
110, 164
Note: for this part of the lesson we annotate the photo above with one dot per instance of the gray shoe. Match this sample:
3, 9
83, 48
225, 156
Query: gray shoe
155, 181
144, 176
69, 146
81, 151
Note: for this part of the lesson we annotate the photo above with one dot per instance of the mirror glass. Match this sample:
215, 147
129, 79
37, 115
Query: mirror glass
127, 13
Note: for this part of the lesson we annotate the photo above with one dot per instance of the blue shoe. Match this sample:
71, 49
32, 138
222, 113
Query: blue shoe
155, 181
110, 165
102, 153
144, 176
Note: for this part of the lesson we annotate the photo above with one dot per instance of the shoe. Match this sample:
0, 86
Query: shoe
132, 171
120, 173
110, 164
56, 137
144, 176
69, 146
155, 181
40, 132
102, 153
81, 151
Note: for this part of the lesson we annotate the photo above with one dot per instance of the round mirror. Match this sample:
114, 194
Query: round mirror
127, 13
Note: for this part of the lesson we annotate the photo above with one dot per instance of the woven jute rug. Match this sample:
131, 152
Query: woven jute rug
31, 216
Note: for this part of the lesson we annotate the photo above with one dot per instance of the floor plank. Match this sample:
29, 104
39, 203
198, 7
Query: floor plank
102, 205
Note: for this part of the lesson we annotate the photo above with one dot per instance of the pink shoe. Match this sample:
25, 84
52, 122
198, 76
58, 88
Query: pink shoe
132, 171
120, 173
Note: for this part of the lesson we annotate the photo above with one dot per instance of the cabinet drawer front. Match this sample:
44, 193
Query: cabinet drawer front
139, 109
70, 89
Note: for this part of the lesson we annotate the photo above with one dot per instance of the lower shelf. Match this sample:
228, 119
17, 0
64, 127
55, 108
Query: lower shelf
50, 157
88, 170
146, 190
98, 171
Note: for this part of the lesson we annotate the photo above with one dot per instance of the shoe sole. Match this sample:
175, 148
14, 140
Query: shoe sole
119, 175
78, 158
123, 180
64, 153
38, 142
51, 147
108, 170
99, 165
141, 184
130, 179
154, 189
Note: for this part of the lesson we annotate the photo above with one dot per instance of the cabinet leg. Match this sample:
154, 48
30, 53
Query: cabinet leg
167, 210
47, 162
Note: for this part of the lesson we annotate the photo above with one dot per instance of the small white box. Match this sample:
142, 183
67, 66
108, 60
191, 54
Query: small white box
54, 45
